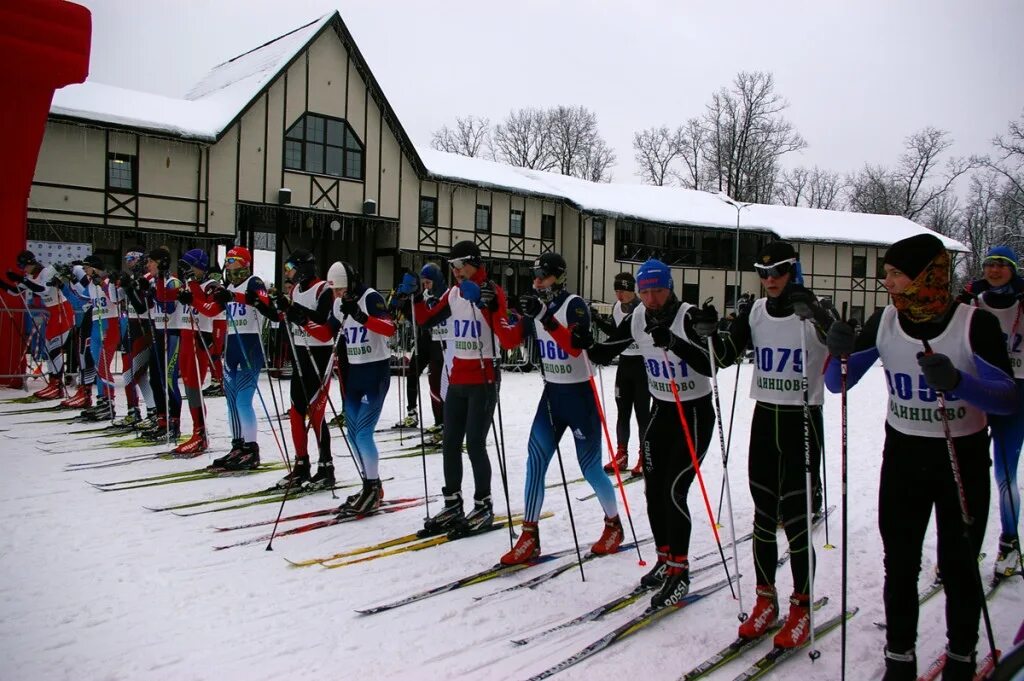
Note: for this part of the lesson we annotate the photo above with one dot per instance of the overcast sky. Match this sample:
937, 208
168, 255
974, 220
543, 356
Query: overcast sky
859, 76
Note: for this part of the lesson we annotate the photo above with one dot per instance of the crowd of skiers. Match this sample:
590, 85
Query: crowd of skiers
953, 370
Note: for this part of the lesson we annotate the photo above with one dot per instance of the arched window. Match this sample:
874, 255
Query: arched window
324, 146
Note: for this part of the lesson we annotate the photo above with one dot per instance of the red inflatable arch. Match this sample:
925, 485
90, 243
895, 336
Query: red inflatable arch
44, 45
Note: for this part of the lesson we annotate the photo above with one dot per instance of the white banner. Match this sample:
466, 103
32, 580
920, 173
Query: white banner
52, 252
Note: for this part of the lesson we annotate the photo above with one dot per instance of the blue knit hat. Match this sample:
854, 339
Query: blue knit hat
432, 272
654, 274
1003, 253
197, 258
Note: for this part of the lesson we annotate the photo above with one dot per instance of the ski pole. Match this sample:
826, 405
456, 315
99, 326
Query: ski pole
561, 466
419, 400
357, 456
965, 515
696, 468
725, 475
615, 461
813, 653
732, 419
844, 363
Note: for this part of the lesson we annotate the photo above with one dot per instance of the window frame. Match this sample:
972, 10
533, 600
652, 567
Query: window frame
349, 147
133, 164
522, 222
476, 218
598, 240
548, 220
859, 272
431, 200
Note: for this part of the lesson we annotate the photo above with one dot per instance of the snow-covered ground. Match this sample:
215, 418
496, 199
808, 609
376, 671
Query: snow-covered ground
94, 586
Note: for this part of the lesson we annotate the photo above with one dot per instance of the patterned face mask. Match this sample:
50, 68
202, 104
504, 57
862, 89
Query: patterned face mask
237, 276
927, 298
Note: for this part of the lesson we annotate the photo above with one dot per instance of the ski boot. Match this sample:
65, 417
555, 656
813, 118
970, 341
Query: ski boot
436, 428
527, 547
637, 471
324, 477
611, 537
445, 519
339, 420
959, 667
411, 420
192, 447
130, 419
145, 424
480, 519
764, 615
51, 391
215, 389
165, 430
677, 582
797, 627
298, 476
435, 439
236, 451
1008, 557
103, 411
247, 459
82, 399
366, 502
622, 458
900, 666
655, 577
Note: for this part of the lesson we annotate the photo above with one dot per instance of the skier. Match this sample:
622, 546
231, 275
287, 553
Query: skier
32, 278
240, 300
78, 346
780, 328
106, 331
219, 335
1001, 292
663, 327
928, 345
418, 361
631, 393
439, 364
361, 314
196, 338
552, 317
307, 310
137, 357
473, 308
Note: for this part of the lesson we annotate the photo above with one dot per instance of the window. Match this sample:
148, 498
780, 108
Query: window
860, 266
691, 294
547, 227
428, 211
598, 232
857, 312
516, 220
324, 146
880, 267
121, 173
681, 245
483, 218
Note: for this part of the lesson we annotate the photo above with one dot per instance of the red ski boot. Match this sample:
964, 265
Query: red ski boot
192, 447
764, 614
52, 390
526, 549
622, 458
797, 628
80, 400
610, 539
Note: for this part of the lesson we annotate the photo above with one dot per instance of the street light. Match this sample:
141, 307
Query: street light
739, 206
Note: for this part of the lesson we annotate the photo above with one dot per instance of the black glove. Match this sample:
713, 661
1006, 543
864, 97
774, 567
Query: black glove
488, 296
127, 283
223, 296
251, 297
350, 308
282, 302
185, 297
939, 372
143, 283
840, 339
530, 305
55, 282
705, 321
297, 315
7, 287
581, 337
661, 336
805, 304
743, 306
15, 276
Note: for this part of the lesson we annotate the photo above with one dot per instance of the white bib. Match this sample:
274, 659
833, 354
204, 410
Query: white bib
661, 373
309, 300
618, 315
1011, 319
241, 317
362, 345
471, 336
559, 365
779, 360
913, 406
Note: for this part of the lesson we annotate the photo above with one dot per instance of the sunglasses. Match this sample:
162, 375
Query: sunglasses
459, 263
234, 260
288, 267
997, 262
775, 270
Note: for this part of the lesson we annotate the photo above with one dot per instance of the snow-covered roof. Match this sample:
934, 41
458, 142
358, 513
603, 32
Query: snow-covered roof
678, 206
209, 107
213, 104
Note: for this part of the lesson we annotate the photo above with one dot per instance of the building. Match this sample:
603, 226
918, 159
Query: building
294, 144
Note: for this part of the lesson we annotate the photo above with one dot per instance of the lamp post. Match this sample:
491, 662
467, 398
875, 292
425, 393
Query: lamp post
739, 206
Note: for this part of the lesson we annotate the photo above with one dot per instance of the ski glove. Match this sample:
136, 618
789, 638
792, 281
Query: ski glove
297, 315
531, 306
143, 284
939, 372
15, 276
488, 297
805, 305
409, 285
840, 339
350, 308
581, 338
705, 321
223, 296
662, 337
185, 297
251, 297
470, 291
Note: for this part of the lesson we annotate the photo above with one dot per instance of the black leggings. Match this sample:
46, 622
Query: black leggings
916, 475
631, 396
305, 389
669, 471
467, 413
778, 486
431, 358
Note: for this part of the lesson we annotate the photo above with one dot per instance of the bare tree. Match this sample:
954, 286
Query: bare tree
745, 135
915, 184
576, 144
655, 150
595, 162
470, 136
524, 140
691, 139
1009, 161
811, 188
